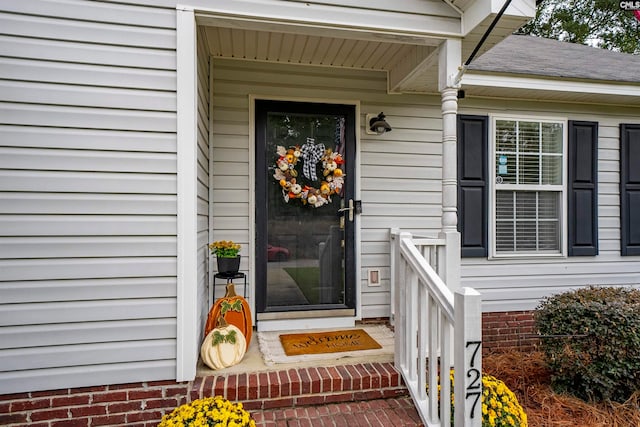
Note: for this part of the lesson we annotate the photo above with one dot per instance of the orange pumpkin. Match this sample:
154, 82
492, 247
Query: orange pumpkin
235, 310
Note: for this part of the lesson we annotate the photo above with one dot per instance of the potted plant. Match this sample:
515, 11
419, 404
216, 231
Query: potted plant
227, 256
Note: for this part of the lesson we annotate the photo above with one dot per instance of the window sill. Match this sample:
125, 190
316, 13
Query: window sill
531, 256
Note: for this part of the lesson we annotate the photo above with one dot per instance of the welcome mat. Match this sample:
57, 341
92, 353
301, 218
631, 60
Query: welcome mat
273, 353
327, 342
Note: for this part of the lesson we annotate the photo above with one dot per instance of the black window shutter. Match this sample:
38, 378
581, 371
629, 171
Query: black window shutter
630, 189
472, 184
583, 188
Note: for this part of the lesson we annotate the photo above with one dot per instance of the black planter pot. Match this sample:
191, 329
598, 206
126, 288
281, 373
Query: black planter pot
228, 265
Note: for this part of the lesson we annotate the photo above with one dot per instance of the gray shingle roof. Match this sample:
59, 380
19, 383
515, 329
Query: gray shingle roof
551, 58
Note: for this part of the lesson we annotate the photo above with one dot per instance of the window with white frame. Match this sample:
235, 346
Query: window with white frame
528, 192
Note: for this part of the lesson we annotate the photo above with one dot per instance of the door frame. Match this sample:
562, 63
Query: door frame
302, 322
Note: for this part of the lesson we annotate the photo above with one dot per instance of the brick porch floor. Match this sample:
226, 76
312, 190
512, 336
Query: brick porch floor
375, 413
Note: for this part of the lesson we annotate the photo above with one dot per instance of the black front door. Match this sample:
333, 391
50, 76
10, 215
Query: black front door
304, 190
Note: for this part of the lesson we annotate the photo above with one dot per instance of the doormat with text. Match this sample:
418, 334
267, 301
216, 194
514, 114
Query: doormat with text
327, 342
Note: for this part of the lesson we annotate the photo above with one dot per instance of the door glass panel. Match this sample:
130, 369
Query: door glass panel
305, 231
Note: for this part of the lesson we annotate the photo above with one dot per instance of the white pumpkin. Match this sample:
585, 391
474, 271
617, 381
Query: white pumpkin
224, 346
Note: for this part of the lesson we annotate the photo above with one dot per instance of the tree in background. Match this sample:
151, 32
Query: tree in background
600, 23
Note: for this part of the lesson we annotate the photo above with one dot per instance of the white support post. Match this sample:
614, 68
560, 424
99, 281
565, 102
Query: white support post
468, 358
187, 249
450, 54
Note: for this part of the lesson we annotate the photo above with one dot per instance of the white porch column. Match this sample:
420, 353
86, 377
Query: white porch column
449, 61
187, 248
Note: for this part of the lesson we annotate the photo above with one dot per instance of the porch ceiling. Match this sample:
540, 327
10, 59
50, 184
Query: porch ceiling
398, 59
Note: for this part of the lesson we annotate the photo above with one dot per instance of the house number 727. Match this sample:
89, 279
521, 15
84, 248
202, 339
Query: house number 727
474, 389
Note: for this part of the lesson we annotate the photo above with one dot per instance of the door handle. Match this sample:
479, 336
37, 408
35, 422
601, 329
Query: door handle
354, 206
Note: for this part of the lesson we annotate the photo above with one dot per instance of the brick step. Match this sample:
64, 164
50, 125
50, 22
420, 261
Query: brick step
304, 386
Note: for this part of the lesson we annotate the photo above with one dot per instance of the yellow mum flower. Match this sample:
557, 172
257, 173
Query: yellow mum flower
208, 411
500, 406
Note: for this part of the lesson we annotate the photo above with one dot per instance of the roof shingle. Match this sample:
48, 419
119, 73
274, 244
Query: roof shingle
519, 54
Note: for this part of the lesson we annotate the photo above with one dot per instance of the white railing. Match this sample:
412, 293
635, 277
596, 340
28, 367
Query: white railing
435, 330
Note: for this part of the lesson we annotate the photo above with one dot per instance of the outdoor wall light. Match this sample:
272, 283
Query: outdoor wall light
377, 124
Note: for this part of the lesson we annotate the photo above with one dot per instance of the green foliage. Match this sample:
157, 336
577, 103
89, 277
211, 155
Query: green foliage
600, 23
218, 338
236, 305
591, 342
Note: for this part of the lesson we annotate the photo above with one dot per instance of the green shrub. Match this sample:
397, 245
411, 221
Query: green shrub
591, 342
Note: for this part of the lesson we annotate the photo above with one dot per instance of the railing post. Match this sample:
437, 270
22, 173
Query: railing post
449, 267
394, 248
468, 358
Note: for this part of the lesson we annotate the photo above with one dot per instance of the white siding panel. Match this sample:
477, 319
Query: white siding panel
203, 81
88, 32
86, 247
87, 194
46, 137
87, 75
87, 289
87, 182
85, 311
231, 209
85, 354
88, 268
81, 376
86, 96
86, 332
405, 197
69, 203
84, 160
91, 11
86, 53
86, 225
86, 117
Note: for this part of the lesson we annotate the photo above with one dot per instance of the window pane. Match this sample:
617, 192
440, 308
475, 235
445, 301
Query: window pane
526, 236
504, 205
505, 220
552, 170
529, 169
552, 137
548, 205
549, 232
505, 237
526, 204
506, 168
506, 135
529, 136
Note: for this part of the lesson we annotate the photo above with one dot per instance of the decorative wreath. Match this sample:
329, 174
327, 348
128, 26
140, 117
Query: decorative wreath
309, 155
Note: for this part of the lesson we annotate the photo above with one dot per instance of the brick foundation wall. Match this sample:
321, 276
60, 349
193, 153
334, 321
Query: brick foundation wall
137, 404
510, 330
144, 404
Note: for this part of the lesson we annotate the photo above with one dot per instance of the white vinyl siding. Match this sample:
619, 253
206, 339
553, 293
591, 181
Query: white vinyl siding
203, 181
519, 284
399, 172
87, 194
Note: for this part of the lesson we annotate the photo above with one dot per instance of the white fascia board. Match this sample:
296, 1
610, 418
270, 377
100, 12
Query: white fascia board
300, 17
492, 80
480, 10
187, 301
